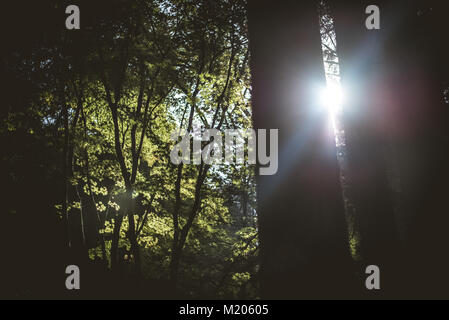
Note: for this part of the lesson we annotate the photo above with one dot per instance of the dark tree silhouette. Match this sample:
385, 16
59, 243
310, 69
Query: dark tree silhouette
361, 57
414, 74
303, 236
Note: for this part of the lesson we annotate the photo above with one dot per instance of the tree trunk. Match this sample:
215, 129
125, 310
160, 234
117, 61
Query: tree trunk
132, 233
181, 234
361, 54
415, 70
65, 169
303, 233
115, 259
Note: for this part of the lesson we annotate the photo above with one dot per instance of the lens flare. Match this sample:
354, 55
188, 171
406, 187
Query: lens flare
332, 98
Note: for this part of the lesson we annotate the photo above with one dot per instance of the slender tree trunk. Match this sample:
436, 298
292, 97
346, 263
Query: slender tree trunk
132, 234
174, 263
176, 251
99, 223
115, 259
129, 189
181, 235
174, 267
65, 172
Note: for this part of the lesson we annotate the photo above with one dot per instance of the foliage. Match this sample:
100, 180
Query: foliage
102, 102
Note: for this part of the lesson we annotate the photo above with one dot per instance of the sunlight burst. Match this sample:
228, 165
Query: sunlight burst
332, 97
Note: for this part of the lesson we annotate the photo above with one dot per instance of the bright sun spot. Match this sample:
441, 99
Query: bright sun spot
332, 98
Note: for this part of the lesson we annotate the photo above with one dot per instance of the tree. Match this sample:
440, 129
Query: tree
414, 73
361, 55
301, 216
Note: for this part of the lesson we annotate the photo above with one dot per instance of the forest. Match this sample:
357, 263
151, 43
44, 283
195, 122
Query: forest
90, 117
